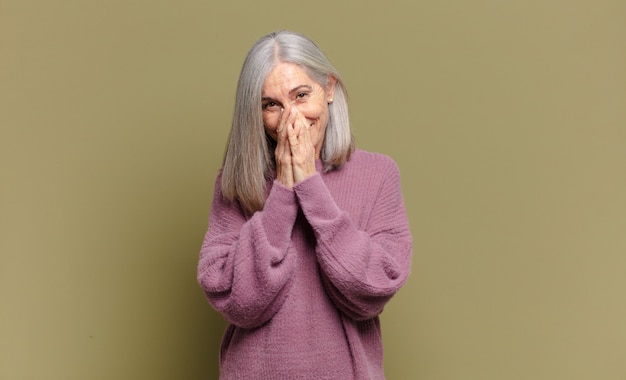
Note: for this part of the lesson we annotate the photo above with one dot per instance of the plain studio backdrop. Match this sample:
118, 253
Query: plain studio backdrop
507, 119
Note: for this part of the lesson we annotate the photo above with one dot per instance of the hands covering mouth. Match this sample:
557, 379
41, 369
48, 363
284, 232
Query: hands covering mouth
295, 153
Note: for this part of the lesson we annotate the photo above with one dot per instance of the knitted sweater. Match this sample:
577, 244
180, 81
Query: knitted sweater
303, 281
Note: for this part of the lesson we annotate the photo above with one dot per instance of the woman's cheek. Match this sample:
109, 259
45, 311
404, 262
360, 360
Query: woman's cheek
310, 111
270, 126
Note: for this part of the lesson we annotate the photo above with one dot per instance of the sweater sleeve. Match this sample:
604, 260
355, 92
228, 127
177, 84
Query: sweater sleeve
361, 268
245, 264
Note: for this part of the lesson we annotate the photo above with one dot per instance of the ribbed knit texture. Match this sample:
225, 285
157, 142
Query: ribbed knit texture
303, 281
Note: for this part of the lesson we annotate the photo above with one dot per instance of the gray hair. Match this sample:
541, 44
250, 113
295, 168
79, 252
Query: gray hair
249, 157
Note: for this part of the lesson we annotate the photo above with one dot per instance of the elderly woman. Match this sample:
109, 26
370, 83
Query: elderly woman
308, 237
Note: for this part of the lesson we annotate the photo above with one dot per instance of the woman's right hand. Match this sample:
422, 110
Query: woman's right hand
284, 169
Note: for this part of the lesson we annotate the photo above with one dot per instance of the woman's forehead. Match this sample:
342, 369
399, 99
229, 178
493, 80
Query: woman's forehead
286, 77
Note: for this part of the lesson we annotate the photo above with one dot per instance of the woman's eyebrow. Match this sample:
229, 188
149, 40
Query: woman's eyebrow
300, 88
291, 92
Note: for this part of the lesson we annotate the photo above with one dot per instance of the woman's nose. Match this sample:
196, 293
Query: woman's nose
287, 106
289, 109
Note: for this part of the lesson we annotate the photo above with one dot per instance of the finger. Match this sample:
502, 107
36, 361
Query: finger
283, 149
281, 139
299, 121
304, 130
281, 122
292, 135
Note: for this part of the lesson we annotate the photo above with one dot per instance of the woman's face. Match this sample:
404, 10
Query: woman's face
288, 85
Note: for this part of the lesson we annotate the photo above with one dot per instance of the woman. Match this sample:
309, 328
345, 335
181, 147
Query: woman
308, 237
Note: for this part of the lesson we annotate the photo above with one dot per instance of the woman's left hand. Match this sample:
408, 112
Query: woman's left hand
302, 149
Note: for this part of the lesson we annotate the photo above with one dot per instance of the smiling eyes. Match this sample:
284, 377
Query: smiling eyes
268, 104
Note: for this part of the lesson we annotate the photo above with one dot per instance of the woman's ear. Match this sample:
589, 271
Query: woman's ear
330, 89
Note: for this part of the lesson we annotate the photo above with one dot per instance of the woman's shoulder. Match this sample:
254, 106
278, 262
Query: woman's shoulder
373, 160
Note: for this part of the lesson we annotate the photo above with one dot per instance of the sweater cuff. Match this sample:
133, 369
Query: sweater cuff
316, 201
279, 214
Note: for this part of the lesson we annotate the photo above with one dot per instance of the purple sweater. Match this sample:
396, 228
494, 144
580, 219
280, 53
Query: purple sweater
303, 281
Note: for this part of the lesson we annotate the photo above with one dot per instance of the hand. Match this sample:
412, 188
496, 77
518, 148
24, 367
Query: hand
302, 149
284, 171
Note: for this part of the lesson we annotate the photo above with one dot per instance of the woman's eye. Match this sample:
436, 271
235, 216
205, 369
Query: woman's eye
269, 105
302, 95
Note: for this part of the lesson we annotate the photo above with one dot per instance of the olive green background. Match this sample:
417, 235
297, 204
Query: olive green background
507, 119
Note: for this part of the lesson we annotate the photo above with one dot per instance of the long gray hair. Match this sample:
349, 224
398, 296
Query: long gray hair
249, 157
